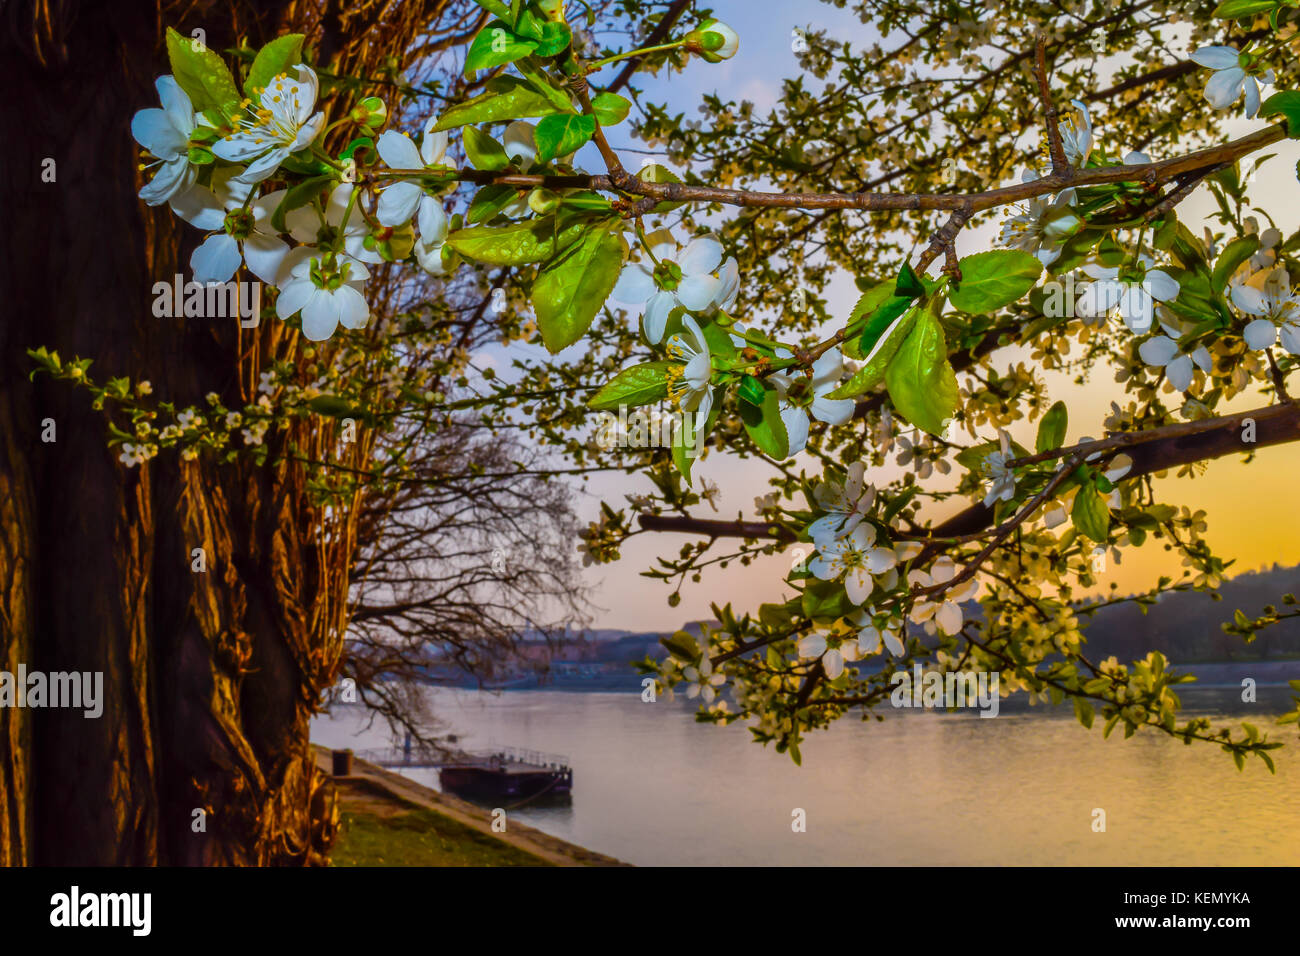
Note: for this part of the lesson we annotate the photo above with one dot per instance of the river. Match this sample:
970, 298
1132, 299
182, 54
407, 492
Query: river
653, 787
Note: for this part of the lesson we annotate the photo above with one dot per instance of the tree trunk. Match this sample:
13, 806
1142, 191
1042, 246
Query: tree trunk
210, 677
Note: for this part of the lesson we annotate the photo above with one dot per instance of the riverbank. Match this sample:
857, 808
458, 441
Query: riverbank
388, 820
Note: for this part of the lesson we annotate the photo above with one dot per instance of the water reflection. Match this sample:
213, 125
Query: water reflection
653, 787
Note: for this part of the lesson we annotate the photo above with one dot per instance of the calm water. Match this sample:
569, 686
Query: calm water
652, 787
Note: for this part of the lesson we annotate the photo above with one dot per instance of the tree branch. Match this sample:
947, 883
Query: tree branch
1152, 450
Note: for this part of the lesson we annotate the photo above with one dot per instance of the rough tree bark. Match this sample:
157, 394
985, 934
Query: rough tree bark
209, 678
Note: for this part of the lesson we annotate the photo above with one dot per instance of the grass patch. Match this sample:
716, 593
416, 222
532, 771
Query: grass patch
420, 838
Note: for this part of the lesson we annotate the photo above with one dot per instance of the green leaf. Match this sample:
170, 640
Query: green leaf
562, 134
867, 304
571, 288
299, 195
610, 108
535, 72
751, 390
556, 37
654, 173
765, 427
1090, 513
882, 351
496, 45
909, 284
201, 74
824, 599
921, 382
991, 280
683, 646
496, 8
507, 98
1083, 710
279, 56
1233, 255
1237, 9
1287, 103
639, 385
534, 240
1051, 430
483, 151
1166, 231
880, 321
489, 201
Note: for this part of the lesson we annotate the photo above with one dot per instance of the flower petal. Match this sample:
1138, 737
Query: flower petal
656, 316
1160, 285
199, 206
697, 292
153, 129
1158, 351
858, 585
1215, 57
216, 260
1224, 87
1260, 334
398, 151
293, 296
264, 255
352, 308
796, 428
701, 256
1179, 372
833, 411
172, 179
948, 617
432, 220
398, 203
635, 285
320, 316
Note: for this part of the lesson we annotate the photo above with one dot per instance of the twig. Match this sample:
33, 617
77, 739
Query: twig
1054, 145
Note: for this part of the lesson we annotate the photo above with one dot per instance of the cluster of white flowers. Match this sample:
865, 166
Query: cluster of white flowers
320, 279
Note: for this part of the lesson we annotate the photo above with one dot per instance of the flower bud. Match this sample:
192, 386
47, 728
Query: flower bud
543, 201
713, 40
370, 112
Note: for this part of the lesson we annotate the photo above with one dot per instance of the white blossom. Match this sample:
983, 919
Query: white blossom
166, 134
944, 609
1267, 294
670, 277
406, 198
802, 396
282, 124
1230, 78
1043, 224
856, 557
846, 503
995, 466
688, 386
246, 232
1163, 351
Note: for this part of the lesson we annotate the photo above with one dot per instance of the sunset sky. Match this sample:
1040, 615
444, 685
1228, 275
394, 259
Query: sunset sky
1248, 517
